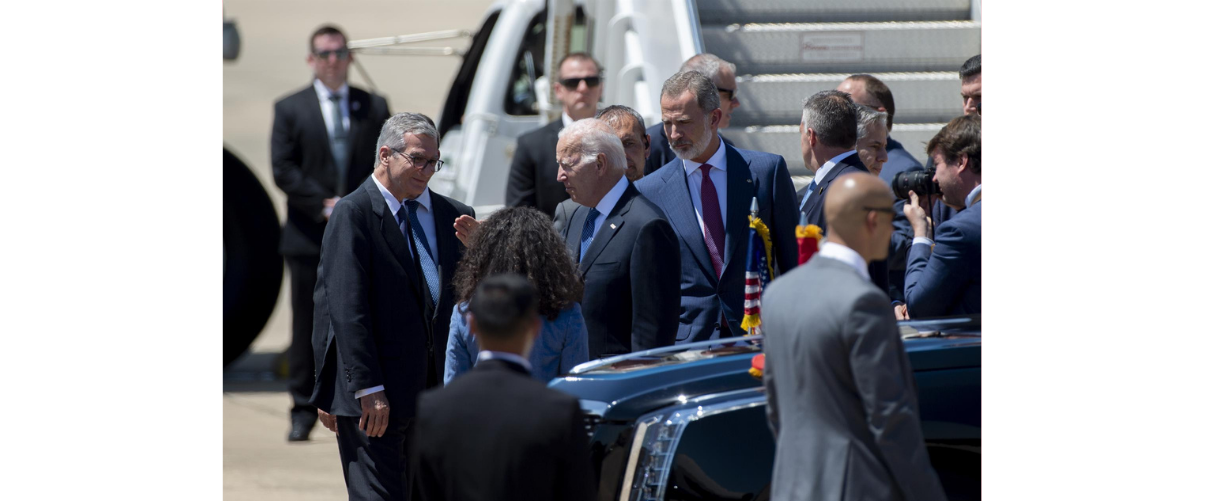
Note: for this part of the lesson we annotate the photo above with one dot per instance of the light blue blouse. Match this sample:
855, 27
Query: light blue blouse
561, 345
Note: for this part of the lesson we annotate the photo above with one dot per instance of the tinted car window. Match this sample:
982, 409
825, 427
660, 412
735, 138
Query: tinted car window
723, 456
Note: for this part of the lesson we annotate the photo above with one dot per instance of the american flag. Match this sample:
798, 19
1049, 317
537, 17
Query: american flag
759, 270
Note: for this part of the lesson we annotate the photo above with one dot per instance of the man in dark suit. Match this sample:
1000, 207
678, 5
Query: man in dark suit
532, 180
322, 143
496, 433
723, 74
869, 91
840, 396
706, 194
622, 243
945, 273
382, 305
629, 126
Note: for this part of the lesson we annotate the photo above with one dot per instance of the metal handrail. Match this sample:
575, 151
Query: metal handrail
412, 38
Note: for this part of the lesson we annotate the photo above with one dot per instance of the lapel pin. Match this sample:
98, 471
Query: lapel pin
612, 226
750, 181
355, 106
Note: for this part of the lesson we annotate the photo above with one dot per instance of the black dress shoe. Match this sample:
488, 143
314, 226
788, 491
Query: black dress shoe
302, 424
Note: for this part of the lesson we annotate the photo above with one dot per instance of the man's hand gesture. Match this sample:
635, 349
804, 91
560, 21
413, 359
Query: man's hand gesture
465, 226
374, 414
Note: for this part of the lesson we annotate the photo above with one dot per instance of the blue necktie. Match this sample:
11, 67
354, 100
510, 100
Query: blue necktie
587, 233
425, 259
811, 187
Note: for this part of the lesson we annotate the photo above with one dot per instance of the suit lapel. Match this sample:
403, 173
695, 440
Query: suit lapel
445, 236
848, 164
610, 226
573, 234
681, 214
740, 196
314, 108
393, 236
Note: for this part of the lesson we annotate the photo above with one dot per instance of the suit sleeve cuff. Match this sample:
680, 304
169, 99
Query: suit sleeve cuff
922, 241
370, 391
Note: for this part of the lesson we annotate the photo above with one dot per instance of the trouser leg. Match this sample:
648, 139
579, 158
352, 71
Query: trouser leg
303, 274
373, 468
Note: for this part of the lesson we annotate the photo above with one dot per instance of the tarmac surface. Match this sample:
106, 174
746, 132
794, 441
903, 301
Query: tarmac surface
258, 464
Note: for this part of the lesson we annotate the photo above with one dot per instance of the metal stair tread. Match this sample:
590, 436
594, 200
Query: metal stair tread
795, 27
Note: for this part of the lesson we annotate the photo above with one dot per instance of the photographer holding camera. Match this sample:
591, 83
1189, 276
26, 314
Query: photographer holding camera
944, 273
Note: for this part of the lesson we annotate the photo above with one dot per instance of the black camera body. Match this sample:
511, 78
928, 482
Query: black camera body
920, 181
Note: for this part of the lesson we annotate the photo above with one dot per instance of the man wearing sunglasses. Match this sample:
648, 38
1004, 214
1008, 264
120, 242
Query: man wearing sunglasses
323, 138
723, 74
534, 169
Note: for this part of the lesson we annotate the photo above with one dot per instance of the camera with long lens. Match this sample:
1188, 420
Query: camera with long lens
920, 181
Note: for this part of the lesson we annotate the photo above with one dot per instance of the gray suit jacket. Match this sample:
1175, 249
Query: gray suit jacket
840, 393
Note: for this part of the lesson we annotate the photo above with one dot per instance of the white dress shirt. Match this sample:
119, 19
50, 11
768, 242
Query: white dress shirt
565, 119
607, 204
828, 166
833, 250
502, 355
328, 108
719, 178
425, 217
427, 220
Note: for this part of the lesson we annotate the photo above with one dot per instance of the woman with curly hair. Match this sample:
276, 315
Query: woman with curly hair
521, 240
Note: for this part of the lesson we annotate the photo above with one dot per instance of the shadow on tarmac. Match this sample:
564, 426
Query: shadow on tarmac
255, 372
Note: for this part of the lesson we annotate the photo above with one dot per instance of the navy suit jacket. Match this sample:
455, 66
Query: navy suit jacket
947, 279
631, 271
704, 295
374, 320
659, 150
812, 211
898, 160
532, 181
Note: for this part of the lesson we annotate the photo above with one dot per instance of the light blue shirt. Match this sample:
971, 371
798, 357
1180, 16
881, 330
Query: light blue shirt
561, 345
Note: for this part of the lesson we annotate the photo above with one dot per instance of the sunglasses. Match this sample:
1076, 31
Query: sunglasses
731, 92
340, 54
572, 83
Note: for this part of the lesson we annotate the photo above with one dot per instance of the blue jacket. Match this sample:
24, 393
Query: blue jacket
561, 345
704, 296
947, 280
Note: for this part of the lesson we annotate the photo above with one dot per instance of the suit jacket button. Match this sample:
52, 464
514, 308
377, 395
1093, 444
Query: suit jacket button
717, 325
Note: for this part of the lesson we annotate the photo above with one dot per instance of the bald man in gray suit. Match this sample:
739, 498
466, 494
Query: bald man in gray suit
840, 394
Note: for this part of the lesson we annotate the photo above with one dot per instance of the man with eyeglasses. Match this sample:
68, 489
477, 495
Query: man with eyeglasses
322, 143
382, 306
723, 74
533, 171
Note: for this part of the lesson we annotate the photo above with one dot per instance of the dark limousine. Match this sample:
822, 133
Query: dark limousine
688, 422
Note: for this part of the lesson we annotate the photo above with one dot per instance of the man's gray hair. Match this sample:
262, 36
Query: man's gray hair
709, 65
594, 136
867, 116
833, 115
393, 133
702, 87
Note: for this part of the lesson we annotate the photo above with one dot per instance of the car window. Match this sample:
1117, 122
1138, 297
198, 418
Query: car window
729, 455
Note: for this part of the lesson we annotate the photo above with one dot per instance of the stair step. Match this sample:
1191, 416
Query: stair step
784, 140
844, 47
795, 11
777, 99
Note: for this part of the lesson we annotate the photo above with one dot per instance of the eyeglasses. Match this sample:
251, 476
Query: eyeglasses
731, 92
889, 210
340, 54
572, 83
422, 163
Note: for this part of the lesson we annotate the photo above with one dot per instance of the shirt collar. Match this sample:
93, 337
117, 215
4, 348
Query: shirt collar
324, 93
502, 355
607, 204
832, 162
973, 194
565, 119
719, 160
395, 204
833, 250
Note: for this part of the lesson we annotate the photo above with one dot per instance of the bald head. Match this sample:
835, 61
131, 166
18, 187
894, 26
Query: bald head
858, 210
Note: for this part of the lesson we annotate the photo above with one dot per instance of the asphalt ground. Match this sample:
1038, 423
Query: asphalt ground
258, 464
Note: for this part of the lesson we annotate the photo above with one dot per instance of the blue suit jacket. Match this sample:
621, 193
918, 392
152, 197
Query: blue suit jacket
705, 296
898, 160
812, 211
947, 279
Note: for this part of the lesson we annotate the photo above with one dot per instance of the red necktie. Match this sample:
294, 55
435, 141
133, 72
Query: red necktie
713, 222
